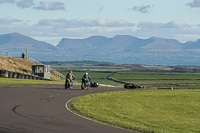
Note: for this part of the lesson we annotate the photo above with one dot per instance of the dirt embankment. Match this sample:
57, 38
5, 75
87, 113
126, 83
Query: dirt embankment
16, 65
23, 66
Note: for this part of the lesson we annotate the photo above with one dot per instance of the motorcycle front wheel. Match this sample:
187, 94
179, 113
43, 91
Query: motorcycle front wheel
84, 86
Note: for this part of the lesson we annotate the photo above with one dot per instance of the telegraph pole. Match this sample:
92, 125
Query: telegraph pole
27, 54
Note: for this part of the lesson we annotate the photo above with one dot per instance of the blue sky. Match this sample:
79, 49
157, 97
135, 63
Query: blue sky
51, 20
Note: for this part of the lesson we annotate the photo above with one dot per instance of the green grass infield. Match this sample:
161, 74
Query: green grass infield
158, 111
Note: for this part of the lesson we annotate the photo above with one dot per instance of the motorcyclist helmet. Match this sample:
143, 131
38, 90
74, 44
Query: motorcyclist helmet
86, 73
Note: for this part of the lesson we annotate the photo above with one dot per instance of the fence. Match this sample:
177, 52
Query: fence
10, 54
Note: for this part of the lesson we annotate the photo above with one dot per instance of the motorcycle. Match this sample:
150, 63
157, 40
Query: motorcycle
68, 84
85, 84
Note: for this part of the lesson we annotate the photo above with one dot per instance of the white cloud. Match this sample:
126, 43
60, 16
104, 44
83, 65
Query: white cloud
195, 3
177, 24
173, 24
25, 3
43, 5
7, 1
8, 21
50, 6
142, 9
175, 30
84, 23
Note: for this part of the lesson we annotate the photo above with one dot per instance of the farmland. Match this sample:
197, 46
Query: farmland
146, 75
160, 79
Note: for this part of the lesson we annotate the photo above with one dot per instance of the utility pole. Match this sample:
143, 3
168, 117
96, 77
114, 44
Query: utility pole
27, 54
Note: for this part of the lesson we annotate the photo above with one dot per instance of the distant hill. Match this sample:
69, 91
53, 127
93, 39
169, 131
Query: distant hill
163, 45
123, 49
16, 44
16, 40
94, 41
122, 42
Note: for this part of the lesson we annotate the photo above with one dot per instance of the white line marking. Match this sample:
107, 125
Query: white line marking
66, 105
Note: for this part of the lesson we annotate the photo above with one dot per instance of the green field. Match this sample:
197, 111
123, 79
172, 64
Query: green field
160, 79
147, 79
159, 111
148, 76
131, 76
96, 76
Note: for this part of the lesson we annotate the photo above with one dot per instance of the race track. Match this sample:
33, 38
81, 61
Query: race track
41, 109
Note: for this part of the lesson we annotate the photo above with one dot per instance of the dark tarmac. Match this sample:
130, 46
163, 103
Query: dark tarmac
42, 109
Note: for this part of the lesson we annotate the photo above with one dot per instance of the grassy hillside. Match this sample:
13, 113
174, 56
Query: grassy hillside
16, 65
20, 65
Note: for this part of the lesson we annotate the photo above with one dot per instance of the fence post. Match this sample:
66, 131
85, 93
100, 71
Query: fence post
27, 54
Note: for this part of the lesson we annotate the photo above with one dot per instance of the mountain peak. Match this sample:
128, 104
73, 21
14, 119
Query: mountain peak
15, 33
124, 36
14, 39
119, 49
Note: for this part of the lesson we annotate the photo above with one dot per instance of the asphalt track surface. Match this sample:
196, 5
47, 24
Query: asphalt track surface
42, 109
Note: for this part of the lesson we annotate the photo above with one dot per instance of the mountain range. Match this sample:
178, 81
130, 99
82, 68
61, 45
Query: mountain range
121, 49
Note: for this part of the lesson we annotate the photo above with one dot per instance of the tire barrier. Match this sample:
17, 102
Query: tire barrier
25, 76
9, 74
4, 73
14, 75
33, 77
22, 76
29, 76
19, 75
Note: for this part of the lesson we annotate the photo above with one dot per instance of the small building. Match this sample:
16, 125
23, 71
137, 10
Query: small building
41, 71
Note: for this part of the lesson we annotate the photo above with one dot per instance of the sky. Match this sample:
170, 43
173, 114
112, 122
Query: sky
52, 20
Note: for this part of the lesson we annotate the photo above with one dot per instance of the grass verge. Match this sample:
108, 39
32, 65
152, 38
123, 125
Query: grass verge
11, 81
144, 110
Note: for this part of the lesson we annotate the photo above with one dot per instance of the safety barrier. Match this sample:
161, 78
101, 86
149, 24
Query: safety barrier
9, 74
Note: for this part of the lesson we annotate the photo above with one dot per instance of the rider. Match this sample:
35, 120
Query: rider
85, 78
70, 77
